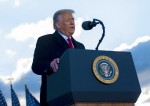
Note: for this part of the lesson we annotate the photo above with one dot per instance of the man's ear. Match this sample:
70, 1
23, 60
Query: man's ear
57, 25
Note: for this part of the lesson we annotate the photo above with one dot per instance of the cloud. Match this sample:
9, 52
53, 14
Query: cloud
144, 97
22, 68
17, 3
139, 40
10, 53
26, 31
31, 46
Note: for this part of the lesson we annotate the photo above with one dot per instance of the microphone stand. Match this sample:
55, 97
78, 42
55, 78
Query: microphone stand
103, 34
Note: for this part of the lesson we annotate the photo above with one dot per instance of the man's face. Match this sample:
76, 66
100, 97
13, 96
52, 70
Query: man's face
65, 24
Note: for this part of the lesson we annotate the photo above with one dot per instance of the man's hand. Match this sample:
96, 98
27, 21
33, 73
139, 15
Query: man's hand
54, 64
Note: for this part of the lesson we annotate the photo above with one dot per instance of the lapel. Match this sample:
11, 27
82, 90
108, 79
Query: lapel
60, 40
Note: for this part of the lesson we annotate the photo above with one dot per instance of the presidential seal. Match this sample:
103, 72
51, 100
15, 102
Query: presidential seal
105, 69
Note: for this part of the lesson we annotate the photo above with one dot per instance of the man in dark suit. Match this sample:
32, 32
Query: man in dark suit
49, 48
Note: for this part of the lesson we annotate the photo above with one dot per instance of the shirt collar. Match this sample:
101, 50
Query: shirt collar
65, 37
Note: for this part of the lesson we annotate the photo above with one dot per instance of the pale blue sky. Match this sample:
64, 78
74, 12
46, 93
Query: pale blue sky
23, 21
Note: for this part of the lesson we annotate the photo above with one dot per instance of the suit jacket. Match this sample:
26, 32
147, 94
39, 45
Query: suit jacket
49, 47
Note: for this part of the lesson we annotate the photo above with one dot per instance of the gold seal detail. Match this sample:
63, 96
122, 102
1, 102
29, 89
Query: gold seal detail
105, 69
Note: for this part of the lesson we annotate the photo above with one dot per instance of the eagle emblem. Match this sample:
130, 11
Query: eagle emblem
105, 69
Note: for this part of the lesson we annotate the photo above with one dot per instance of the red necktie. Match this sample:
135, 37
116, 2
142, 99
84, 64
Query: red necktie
70, 43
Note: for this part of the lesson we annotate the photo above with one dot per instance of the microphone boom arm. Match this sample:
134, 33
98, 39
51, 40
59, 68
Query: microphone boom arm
96, 21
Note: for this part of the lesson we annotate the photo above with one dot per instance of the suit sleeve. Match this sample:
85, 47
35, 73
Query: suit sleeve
80, 46
41, 58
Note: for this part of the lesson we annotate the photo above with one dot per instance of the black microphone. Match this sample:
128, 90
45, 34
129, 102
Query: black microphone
88, 25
